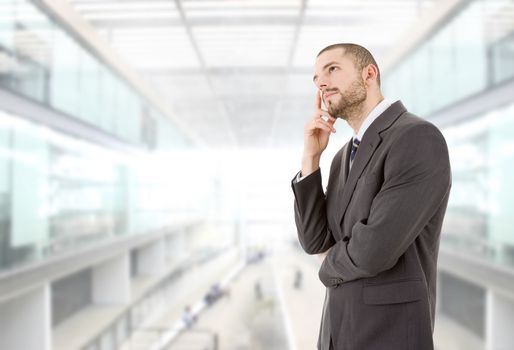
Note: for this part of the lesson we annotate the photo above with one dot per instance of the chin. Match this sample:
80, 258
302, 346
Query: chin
333, 111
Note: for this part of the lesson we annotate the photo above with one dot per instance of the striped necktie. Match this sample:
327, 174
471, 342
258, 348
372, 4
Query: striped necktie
355, 146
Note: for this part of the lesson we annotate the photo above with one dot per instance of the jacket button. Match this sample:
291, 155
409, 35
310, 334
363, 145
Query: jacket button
336, 281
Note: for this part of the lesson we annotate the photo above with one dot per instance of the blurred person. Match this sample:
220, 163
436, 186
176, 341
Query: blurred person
298, 278
187, 317
213, 295
257, 290
379, 220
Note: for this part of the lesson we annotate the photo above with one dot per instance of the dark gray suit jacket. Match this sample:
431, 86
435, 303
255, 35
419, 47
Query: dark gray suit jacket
382, 222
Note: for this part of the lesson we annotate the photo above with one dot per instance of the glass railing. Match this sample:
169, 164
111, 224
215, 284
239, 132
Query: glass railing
59, 193
473, 52
40, 60
479, 217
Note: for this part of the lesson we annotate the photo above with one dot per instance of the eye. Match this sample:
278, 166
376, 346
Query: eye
331, 69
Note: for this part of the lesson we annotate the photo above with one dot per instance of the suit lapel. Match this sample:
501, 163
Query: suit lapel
342, 176
346, 164
369, 144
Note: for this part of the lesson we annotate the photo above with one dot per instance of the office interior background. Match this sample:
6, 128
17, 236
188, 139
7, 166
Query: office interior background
147, 149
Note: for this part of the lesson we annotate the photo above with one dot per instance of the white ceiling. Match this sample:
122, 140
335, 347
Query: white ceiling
239, 72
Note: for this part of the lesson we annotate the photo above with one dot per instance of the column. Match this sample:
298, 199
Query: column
25, 321
151, 258
499, 321
111, 281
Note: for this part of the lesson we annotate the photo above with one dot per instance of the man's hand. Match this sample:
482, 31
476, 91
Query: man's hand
316, 134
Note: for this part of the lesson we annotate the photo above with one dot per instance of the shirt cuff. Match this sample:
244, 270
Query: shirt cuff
299, 177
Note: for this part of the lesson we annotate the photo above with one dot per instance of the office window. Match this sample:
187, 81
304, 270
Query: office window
65, 75
7, 21
5, 196
502, 57
32, 47
89, 88
478, 220
470, 72
29, 190
109, 99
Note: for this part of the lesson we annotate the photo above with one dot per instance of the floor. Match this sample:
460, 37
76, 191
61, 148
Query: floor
272, 304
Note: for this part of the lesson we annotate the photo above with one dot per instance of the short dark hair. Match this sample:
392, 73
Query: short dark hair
360, 55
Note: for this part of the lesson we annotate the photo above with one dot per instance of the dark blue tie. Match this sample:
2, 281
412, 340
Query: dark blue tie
355, 146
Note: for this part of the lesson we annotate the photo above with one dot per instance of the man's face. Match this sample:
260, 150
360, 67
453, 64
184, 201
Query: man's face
341, 83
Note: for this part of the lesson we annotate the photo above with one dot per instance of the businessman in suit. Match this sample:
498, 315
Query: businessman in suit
379, 221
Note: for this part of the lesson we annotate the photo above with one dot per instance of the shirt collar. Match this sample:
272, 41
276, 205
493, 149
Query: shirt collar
374, 114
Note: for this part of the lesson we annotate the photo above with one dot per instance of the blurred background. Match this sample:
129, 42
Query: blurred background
147, 149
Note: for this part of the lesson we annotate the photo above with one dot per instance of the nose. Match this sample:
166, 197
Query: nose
321, 83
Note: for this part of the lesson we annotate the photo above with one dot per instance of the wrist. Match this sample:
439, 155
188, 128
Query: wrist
310, 163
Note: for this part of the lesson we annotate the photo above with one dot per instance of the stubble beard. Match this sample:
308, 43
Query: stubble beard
351, 102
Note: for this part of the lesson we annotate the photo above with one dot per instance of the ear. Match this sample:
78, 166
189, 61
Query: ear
369, 73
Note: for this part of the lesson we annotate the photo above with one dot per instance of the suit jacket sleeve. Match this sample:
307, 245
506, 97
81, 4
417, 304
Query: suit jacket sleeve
310, 214
416, 180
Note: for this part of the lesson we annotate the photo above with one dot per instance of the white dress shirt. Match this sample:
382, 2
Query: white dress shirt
374, 114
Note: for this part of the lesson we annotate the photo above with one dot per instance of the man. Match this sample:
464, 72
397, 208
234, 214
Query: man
379, 221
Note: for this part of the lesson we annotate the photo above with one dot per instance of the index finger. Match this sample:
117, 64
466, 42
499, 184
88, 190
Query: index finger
318, 99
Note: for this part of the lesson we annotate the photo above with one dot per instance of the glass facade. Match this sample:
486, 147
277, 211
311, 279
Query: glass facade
471, 53
59, 193
480, 208
42, 61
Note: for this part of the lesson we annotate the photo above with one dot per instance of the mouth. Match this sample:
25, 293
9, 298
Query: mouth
329, 94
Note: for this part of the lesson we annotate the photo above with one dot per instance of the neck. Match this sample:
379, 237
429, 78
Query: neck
356, 117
